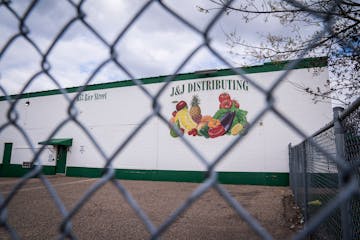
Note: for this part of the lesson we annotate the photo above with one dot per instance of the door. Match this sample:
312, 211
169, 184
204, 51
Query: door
7, 153
61, 159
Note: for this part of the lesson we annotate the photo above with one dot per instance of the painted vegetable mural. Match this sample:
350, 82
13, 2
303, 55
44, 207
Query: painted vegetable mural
229, 119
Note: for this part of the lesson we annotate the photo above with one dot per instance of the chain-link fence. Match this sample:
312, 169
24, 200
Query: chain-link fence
316, 181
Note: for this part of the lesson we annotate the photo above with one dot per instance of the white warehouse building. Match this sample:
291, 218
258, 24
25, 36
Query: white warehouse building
211, 109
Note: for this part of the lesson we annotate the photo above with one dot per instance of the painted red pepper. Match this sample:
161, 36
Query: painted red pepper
216, 131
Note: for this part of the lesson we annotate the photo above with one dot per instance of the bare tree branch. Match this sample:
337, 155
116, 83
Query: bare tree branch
341, 42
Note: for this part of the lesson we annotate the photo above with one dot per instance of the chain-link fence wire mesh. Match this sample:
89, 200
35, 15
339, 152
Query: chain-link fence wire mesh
351, 124
315, 179
348, 189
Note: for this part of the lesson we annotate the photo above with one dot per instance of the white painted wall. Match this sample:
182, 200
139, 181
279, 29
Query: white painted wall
110, 121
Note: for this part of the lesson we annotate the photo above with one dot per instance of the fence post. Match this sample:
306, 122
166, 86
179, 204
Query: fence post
291, 161
305, 183
296, 174
346, 227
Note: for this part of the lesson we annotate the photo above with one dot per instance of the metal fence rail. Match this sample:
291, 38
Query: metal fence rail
338, 197
316, 179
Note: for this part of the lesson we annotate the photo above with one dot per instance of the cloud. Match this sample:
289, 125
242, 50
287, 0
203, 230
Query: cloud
156, 44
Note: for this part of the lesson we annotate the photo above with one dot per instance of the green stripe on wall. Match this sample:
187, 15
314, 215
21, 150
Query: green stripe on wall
16, 170
266, 67
255, 178
251, 178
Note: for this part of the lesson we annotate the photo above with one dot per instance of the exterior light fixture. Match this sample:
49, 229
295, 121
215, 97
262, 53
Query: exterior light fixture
27, 103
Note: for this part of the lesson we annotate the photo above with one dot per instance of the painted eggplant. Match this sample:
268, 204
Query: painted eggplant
227, 120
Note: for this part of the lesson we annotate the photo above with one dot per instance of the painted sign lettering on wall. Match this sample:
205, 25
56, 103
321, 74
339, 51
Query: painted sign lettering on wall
91, 97
228, 119
208, 85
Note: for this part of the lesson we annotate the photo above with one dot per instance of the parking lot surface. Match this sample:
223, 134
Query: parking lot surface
34, 215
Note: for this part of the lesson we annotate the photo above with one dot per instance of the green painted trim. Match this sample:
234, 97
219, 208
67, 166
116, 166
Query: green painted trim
58, 141
266, 67
255, 178
7, 154
16, 170
84, 172
250, 178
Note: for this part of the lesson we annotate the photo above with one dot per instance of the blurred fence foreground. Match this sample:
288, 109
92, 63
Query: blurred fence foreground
324, 169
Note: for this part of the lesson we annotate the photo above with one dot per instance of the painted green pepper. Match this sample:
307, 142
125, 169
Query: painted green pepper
204, 131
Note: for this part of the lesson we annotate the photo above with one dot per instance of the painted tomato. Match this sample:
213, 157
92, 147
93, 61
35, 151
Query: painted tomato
180, 105
227, 103
237, 105
223, 97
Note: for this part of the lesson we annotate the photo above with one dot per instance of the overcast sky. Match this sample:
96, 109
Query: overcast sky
156, 44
